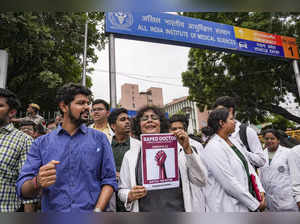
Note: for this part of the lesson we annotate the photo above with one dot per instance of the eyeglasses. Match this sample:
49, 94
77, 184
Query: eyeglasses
154, 117
97, 109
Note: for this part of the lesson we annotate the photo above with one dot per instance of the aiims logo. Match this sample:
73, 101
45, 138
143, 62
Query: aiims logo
120, 20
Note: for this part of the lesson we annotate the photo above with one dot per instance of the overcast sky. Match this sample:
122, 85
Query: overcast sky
137, 61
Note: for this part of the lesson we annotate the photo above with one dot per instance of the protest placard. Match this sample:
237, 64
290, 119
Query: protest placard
159, 161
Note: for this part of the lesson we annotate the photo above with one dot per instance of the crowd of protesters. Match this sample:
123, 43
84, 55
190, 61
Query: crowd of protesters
68, 164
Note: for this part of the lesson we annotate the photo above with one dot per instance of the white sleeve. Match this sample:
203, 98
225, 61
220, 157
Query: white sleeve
256, 156
196, 169
294, 165
219, 166
124, 184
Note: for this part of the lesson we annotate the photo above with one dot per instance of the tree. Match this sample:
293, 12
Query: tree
45, 51
259, 83
279, 122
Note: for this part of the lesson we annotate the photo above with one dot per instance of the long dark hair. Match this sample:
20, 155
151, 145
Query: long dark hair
213, 121
215, 117
164, 125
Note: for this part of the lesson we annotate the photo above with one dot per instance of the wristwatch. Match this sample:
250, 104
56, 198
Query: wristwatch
97, 210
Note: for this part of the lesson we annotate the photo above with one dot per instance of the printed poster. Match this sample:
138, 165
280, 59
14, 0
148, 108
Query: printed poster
159, 161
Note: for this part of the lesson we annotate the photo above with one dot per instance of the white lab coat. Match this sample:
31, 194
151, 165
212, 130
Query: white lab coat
256, 155
192, 171
227, 188
197, 191
294, 163
276, 180
134, 143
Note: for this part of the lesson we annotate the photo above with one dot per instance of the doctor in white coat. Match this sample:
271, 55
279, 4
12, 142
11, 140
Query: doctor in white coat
228, 188
179, 122
151, 120
276, 176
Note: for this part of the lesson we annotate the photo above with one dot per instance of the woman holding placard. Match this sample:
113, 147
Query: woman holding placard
152, 120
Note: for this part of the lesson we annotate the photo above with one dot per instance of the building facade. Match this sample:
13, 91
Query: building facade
197, 119
132, 99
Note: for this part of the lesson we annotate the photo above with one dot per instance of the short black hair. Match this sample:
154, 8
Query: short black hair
98, 101
40, 129
226, 101
51, 121
179, 118
11, 99
207, 131
67, 93
215, 116
164, 123
28, 123
274, 132
113, 116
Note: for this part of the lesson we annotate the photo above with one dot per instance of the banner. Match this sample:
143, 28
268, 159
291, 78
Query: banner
181, 30
159, 161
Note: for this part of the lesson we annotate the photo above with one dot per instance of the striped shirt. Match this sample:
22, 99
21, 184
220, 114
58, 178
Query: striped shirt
14, 146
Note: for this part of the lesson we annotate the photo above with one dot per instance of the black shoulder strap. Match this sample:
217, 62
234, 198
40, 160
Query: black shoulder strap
243, 135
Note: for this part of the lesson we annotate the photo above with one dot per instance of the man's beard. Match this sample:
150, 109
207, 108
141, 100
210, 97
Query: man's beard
77, 121
4, 120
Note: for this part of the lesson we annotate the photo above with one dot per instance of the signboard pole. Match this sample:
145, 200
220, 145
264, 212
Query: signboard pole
3, 68
112, 72
297, 74
84, 51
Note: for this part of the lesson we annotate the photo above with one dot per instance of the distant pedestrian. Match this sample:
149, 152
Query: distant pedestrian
100, 113
32, 115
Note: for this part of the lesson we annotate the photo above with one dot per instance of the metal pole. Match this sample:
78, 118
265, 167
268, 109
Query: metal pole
297, 75
3, 68
84, 52
112, 72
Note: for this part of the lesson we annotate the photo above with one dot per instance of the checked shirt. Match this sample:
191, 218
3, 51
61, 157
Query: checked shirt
14, 146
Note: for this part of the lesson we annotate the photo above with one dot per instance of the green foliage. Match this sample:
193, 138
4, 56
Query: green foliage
280, 123
259, 83
45, 51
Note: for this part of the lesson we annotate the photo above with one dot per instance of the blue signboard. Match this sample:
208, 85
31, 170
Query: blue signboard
174, 29
260, 48
171, 27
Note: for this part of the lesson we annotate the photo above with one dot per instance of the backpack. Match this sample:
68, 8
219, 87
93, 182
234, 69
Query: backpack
243, 136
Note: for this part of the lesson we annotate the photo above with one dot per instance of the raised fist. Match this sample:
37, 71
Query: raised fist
160, 159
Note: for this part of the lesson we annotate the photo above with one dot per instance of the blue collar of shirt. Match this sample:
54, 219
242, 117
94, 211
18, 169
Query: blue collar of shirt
83, 128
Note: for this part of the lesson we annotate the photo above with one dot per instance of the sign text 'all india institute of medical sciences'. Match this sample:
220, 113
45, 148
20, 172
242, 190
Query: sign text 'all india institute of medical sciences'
199, 33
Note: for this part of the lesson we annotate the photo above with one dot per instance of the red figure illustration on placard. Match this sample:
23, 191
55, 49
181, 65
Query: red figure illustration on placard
160, 159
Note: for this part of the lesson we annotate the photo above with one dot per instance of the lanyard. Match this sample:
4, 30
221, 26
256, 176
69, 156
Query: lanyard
245, 163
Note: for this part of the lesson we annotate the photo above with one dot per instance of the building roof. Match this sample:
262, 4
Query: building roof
177, 100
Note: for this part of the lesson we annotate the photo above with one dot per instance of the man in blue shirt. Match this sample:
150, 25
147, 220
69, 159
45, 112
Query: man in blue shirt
73, 166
